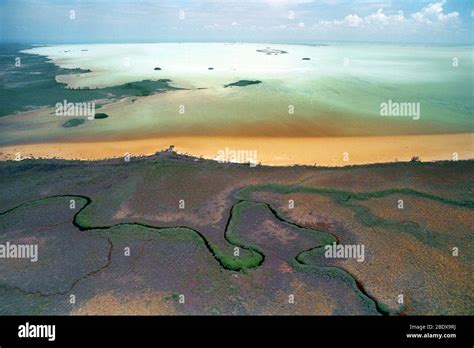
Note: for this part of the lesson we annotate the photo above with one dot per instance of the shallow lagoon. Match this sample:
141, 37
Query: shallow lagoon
344, 80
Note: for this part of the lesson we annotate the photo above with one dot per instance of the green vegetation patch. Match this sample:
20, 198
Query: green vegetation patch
33, 84
243, 83
247, 259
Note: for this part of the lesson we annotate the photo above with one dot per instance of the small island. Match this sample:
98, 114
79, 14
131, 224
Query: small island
243, 83
271, 51
100, 116
73, 122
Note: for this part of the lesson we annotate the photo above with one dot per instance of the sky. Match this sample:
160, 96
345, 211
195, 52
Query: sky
284, 21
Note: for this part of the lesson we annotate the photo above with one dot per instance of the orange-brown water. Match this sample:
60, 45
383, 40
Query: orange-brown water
323, 151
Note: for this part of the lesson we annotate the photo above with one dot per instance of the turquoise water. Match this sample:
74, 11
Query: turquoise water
439, 78
337, 92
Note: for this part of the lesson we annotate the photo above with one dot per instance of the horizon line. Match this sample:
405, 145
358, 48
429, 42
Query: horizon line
241, 42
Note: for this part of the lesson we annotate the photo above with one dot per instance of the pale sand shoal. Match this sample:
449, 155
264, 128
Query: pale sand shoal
328, 151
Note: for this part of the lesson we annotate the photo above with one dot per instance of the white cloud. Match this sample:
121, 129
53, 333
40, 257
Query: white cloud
286, 3
378, 18
434, 13
381, 18
353, 20
211, 26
